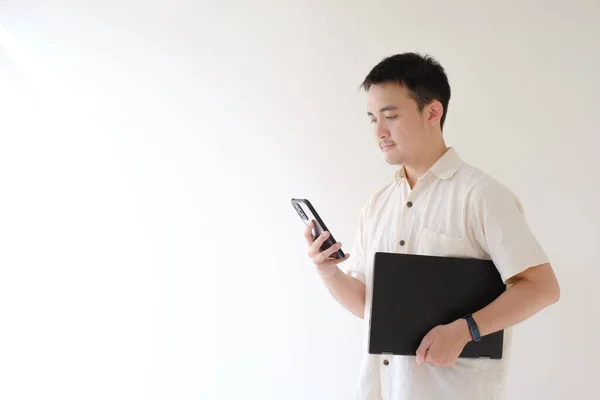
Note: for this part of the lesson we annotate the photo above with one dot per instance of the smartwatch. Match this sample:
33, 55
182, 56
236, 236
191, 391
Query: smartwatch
473, 328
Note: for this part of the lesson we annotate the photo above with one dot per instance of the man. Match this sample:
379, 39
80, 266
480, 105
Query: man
436, 205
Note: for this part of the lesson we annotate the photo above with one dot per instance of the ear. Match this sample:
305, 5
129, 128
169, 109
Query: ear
434, 112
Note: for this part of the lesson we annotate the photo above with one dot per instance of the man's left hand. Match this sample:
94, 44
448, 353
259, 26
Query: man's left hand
444, 343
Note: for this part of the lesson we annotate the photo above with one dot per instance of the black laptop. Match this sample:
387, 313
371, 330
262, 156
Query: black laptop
414, 293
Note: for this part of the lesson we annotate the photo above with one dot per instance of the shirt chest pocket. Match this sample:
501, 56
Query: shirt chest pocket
433, 243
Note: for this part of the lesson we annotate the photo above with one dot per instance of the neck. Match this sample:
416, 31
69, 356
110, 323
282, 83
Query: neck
427, 157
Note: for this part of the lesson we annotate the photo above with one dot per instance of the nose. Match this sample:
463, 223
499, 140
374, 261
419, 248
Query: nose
381, 131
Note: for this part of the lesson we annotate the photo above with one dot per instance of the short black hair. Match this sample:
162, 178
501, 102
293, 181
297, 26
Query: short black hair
422, 75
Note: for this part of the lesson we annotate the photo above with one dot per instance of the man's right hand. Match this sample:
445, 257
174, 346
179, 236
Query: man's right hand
326, 265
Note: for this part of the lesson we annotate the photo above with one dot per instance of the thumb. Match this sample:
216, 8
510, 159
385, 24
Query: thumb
422, 350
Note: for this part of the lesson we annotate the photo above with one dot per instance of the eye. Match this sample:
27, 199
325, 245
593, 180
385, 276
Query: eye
372, 121
391, 118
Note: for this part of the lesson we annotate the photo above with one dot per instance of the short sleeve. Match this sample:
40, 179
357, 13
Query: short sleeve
355, 265
500, 228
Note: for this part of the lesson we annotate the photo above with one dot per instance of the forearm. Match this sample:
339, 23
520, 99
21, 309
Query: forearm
519, 302
348, 291
533, 290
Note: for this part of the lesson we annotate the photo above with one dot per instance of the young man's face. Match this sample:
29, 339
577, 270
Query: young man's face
400, 129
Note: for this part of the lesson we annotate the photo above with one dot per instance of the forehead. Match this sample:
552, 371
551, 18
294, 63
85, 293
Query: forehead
386, 94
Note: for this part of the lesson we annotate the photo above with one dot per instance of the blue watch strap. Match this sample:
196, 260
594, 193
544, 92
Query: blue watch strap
473, 328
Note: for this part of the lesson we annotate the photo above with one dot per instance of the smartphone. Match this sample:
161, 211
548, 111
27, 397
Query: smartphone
307, 212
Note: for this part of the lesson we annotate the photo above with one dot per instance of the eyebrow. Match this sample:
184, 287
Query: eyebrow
386, 108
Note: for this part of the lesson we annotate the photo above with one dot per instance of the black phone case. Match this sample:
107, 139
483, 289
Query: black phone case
307, 212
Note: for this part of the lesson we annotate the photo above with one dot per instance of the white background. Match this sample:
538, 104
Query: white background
149, 150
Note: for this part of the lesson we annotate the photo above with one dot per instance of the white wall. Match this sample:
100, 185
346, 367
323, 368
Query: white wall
148, 152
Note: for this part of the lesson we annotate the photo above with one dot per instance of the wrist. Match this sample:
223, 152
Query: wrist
328, 272
465, 336
472, 327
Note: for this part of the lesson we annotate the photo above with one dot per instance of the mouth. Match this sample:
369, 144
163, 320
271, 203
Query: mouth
387, 146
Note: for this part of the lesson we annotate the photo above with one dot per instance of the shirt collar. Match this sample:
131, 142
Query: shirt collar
444, 168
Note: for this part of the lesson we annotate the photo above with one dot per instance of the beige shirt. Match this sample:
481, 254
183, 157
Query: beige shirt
453, 210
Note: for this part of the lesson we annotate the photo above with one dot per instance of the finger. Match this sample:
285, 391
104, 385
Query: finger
422, 350
434, 358
333, 261
429, 358
326, 254
347, 256
450, 361
435, 364
308, 232
315, 248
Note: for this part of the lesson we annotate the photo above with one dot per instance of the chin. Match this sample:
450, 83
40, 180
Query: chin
393, 161
393, 158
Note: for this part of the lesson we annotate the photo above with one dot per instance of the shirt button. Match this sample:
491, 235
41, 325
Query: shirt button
409, 204
402, 243
386, 362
